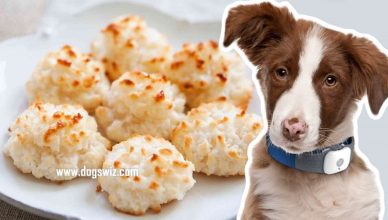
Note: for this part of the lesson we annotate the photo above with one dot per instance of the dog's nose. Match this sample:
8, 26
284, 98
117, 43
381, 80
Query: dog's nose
294, 129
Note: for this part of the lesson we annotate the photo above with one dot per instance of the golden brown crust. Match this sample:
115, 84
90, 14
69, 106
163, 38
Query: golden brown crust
205, 74
127, 44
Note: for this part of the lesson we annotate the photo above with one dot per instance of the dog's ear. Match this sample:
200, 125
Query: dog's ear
370, 72
256, 27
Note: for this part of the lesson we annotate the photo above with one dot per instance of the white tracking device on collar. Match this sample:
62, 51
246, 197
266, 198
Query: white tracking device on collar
337, 160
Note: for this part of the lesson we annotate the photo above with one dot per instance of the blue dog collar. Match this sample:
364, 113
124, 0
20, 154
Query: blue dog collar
328, 160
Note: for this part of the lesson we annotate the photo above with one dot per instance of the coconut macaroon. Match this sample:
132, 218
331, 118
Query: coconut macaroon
215, 137
68, 76
140, 103
129, 44
46, 137
206, 74
163, 175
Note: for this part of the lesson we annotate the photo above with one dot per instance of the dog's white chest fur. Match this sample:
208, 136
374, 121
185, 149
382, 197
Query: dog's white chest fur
284, 196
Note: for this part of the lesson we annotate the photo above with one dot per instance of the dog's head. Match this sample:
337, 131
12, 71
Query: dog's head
311, 76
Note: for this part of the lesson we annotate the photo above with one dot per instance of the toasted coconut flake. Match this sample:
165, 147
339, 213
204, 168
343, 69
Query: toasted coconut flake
180, 164
116, 164
188, 85
233, 154
200, 64
160, 96
112, 28
165, 151
154, 157
127, 82
221, 139
213, 44
158, 171
222, 77
51, 131
154, 185
136, 179
75, 83
64, 62
221, 98
256, 126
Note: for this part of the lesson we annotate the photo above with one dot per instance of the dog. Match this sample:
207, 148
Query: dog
312, 77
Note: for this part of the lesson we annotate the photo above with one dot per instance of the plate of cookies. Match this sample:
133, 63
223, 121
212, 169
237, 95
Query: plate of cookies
125, 112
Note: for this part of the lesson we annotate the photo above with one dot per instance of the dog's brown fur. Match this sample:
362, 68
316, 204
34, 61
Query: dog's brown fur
270, 35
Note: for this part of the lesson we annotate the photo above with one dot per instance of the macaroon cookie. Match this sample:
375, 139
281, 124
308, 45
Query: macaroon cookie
140, 103
47, 137
215, 138
205, 74
163, 175
128, 43
68, 76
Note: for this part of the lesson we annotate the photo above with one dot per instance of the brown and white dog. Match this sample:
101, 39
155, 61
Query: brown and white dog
311, 77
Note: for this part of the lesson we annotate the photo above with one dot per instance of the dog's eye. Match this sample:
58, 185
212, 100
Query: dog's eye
281, 73
330, 80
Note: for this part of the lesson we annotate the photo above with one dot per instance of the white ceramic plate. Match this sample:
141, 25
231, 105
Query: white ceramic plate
210, 198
